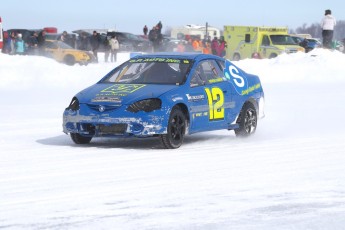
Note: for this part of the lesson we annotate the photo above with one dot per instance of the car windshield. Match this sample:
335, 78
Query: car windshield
150, 71
282, 40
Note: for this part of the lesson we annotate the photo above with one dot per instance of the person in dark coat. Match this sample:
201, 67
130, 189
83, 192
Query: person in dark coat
33, 44
145, 30
41, 42
159, 26
83, 43
95, 41
156, 38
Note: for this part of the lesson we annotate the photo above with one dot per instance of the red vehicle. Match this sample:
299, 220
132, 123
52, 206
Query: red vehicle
1, 35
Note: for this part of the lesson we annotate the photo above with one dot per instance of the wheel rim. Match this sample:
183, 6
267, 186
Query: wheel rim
250, 121
177, 128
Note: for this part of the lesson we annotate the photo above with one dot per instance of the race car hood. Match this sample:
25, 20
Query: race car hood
121, 93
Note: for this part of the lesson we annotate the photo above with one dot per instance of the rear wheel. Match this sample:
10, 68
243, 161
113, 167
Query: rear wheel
247, 120
236, 57
69, 60
79, 139
176, 130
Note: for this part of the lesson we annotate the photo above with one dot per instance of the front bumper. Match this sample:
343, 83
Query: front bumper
107, 125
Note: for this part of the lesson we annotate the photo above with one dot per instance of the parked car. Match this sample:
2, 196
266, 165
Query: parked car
307, 43
167, 95
169, 44
72, 38
131, 42
64, 53
26, 33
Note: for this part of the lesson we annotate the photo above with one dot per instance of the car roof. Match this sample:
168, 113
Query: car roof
184, 55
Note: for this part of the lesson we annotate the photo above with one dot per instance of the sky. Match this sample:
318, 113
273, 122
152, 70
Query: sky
131, 16
288, 176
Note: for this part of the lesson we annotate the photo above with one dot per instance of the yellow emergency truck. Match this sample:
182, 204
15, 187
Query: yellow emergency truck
258, 42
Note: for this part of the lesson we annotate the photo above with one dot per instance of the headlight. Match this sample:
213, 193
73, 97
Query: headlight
147, 105
74, 105
301, 49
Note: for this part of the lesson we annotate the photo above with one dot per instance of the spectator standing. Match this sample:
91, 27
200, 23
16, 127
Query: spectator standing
115, 46
83, 42
189, 46
12, 42
41, 40
66, 38
327, 24
63, 37
20, 45
207, 39
95, 40
222, 47
215, 46
207, 48
159, 26
156, 38
180, 47
7, 44
33, 44
107, 49
145, 30
196, 44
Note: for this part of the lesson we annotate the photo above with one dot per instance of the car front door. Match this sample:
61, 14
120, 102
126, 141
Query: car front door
209, 98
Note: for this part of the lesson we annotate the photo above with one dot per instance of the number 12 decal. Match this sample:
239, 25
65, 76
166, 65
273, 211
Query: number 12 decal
215, 98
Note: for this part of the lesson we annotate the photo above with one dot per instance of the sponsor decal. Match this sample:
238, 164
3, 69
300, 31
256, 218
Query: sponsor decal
163, 60
215, 80
215, 98
238, 80
106, 99
177, 99
121, 89
251, 89
195, 97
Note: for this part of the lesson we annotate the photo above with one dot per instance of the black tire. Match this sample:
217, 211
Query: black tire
247, 120
273, 56
236, 57
69, 60
176, 130
79, 139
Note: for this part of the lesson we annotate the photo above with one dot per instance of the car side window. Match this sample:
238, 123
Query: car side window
265, 41
51, 45
207, 72
221, 65
198, 77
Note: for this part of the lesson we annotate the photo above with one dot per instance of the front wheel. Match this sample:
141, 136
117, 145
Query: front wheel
273, 56
247, 121
79, 139
176, 130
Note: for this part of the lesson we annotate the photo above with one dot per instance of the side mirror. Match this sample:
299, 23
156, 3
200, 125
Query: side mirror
247, 38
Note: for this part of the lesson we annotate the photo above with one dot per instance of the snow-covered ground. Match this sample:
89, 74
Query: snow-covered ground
289, 175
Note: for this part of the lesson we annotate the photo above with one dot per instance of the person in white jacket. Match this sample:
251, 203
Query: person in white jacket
114, 44
327, 24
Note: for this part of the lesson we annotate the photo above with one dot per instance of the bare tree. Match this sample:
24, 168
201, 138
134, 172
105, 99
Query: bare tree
315, 30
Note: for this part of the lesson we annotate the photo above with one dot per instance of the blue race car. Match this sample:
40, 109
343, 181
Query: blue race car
167, 95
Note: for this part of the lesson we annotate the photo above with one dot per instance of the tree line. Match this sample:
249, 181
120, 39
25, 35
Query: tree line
315, 30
